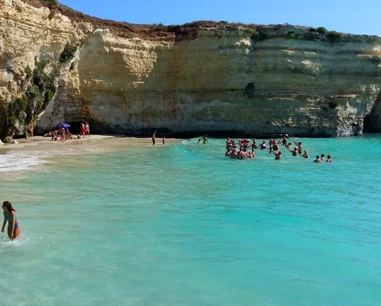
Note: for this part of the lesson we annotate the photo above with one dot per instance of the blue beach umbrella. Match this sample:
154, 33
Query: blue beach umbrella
64, 125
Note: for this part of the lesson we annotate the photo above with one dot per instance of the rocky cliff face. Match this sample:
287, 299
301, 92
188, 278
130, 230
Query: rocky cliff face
205, 77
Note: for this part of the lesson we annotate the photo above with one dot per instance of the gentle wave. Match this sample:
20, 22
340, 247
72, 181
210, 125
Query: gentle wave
16, 161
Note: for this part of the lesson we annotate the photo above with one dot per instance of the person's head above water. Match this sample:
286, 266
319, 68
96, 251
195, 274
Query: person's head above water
7, 206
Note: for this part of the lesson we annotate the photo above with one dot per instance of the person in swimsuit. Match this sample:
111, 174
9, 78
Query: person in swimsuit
83, 130
262, 146
10, 216
317, 160
329, 158
305, 154
278, 155
87, 128
205, 139
293, 152
284, 141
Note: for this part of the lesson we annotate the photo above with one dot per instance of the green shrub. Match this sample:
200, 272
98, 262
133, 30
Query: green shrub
290, 35
259, 36
313, 35
334, 36
322, 30
40, 66
16, 107
67, 53
248, 32
28, 72
36, 98
51, 3
49, 95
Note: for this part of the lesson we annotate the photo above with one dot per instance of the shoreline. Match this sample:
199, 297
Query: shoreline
46, 143
35, 141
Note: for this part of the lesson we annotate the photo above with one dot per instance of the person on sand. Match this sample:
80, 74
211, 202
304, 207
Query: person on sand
317, 160
329, 158
164, 141
83, 130
154, 138
61, 132
87, 128
67, 134
10, 216
54, 135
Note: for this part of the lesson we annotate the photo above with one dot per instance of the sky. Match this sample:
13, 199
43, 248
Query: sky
350, 16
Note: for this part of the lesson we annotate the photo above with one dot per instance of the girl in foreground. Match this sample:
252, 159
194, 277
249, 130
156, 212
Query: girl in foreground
14, 226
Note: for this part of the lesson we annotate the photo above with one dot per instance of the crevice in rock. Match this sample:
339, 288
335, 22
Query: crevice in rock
372, 122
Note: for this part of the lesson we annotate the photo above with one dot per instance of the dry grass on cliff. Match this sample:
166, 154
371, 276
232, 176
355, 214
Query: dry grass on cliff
187, 31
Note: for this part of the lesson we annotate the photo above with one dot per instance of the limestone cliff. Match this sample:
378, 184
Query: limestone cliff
58, 65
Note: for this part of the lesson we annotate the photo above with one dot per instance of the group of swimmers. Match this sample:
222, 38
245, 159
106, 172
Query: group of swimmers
244, 149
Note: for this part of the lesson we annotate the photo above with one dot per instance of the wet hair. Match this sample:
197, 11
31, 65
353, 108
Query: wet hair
8, 205
317, 156
329, 156
322, 155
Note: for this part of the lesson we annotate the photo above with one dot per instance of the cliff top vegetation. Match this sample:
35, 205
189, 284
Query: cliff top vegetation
190, 31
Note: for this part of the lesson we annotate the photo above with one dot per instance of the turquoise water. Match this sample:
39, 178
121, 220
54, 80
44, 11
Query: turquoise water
110, 223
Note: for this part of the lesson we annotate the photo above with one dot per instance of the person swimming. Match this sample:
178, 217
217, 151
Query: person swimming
262, 146
278, 155
305, 154
317, 160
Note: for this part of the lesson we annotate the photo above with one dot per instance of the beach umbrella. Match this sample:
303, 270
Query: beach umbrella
64, 125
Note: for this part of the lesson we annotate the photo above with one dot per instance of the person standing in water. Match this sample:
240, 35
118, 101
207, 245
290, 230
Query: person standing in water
10, 216
278, 155
299, 146
204, 139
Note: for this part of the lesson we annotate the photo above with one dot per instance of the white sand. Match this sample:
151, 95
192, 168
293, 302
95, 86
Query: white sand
46, 143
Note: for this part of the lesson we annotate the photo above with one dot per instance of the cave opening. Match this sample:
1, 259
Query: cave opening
372, 122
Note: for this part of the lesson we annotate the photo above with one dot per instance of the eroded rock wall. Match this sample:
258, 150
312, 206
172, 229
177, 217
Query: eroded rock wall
223, 79
30, 36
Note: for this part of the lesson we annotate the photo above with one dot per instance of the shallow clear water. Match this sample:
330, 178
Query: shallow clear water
118, 224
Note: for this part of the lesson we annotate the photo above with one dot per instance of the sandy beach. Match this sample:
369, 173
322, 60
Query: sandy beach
25, 143
46, 143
